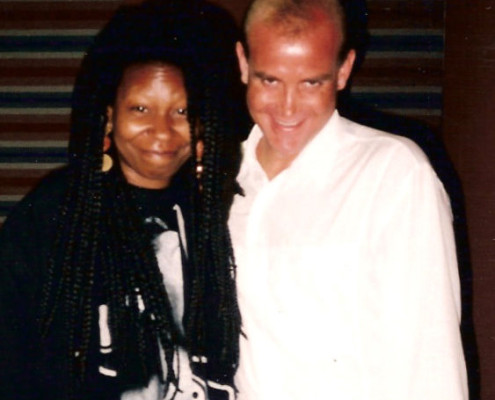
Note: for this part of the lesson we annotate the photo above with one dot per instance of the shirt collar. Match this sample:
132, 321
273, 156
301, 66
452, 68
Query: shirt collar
320, 144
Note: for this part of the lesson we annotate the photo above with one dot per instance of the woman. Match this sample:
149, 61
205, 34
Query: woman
117, 271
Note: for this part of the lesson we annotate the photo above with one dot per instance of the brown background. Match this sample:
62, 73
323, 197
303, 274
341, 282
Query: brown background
469, 134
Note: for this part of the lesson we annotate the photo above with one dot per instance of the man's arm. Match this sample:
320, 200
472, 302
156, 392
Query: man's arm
419, 354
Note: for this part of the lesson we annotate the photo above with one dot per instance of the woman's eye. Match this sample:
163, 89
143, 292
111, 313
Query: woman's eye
140, 109
182, 111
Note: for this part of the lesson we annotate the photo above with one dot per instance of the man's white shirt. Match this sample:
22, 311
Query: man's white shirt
347, 276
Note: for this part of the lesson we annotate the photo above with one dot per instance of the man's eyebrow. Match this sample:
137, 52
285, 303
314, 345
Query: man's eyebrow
263, 75
322, 77
317, 78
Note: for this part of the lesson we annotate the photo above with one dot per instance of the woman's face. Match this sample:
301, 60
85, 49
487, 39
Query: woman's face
149, 122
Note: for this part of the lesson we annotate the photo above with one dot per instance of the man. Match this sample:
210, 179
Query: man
347, 275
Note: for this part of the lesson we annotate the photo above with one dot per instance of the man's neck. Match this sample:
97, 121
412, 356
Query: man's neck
273, 164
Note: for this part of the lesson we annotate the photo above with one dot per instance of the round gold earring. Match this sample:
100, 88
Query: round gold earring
107, 162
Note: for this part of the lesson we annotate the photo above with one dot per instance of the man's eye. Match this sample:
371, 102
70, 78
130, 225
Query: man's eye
312, 83
182, 111
269, 81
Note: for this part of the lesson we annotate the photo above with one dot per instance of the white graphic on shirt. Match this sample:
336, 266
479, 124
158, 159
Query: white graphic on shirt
169, 254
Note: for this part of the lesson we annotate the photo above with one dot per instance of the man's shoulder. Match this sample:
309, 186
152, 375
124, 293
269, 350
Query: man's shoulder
380, 143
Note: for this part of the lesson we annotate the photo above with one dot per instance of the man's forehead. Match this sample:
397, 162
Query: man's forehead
294, 58
294, 49
324, 38
295, 26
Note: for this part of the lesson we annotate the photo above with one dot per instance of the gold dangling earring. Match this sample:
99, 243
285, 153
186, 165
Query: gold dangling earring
199, 172
107, 162
199, 169
199, 159
199, 162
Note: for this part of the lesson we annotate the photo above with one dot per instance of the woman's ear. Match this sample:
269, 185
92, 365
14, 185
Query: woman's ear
200, 147
109, 124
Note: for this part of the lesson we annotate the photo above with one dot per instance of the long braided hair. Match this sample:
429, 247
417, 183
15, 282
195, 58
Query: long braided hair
100, 243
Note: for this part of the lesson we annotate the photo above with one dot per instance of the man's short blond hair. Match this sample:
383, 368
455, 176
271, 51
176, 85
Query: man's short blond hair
292, 16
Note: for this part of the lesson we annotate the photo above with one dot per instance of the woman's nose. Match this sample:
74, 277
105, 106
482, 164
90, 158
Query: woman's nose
162, 126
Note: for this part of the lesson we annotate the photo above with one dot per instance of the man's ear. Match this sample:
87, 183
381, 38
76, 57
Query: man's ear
243, 63
345, 70
109, 124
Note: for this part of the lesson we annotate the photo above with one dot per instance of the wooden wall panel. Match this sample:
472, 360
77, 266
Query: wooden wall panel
41, 47
402, 71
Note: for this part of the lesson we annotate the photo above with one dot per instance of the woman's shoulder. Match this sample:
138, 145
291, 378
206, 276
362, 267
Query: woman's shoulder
27, 234
41, 203
53, 185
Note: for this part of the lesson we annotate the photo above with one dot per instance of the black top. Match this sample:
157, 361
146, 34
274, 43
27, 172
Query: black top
30, 369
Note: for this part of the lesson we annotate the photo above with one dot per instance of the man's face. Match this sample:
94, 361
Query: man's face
292, 83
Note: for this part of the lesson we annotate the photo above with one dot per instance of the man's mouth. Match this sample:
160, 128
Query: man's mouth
287, 124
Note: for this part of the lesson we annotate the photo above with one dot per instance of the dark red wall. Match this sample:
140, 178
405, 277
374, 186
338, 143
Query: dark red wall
469, 133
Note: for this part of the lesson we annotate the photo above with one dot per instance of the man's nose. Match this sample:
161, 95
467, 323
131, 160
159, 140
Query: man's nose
288, 101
